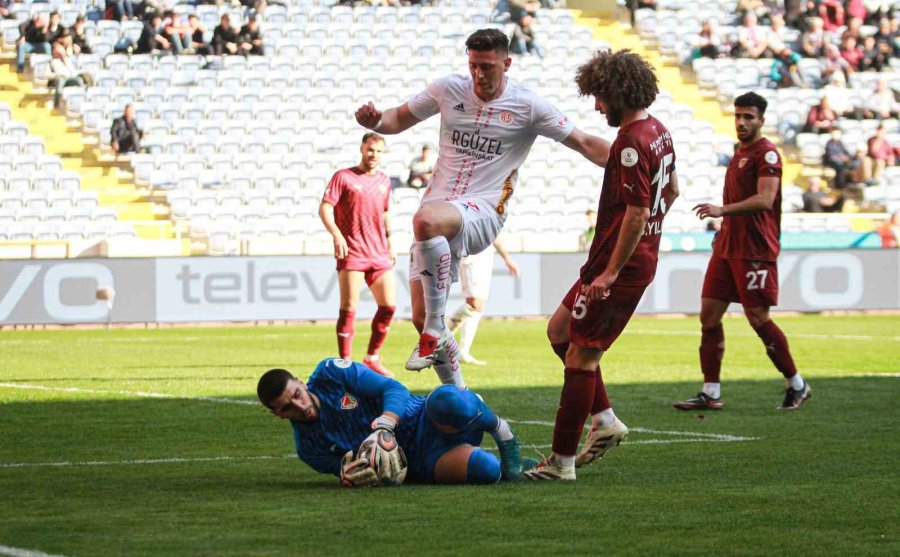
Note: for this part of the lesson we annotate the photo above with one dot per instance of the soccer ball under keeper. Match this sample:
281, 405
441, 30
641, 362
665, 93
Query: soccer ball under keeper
384, 455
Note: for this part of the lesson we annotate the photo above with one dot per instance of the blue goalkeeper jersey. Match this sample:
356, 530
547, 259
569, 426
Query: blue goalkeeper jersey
350, 397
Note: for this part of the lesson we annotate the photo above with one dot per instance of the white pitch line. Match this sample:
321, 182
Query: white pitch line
711, 436
19, 552
140, 394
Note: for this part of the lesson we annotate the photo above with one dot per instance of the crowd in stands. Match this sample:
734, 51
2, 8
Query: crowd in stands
821, 44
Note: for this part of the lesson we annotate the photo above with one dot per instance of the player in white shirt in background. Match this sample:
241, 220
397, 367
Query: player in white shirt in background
488, 125
475, 276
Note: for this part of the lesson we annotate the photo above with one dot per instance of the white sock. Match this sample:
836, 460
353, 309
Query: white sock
447, 366
373, 357
712, 390
603, 419
503, 432
564, 461
796, 382
434, 271
459, 316
467, 331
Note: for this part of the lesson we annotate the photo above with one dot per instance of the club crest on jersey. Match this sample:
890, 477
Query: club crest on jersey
506, 117
771, 157
472, 205
348, 402
459, 108
629, 156
743, 162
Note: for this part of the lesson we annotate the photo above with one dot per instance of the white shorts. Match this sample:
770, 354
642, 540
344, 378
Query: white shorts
480, 227
475, 274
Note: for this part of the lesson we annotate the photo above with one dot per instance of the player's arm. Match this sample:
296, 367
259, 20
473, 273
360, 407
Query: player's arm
591, 147
671, 192
326, 213
630, 233
763, 200
391, 121
510, 264
387, 236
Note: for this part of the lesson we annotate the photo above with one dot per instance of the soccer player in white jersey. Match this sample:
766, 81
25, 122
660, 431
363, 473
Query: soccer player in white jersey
488, 125
476, 272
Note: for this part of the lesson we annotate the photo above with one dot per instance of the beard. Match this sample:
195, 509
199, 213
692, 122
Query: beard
614, 116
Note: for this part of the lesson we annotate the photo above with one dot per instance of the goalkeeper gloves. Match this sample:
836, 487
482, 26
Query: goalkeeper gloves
356, 472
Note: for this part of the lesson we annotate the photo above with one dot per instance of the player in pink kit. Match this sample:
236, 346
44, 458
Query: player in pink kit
488, 125
639, 186
354, 210
743, 267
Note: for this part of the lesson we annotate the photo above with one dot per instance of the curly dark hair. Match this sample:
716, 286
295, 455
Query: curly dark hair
485, 40
621, 79
750, 100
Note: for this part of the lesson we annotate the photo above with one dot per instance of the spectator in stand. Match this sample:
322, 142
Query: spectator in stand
886, 38
152, 39
856, 9
63, 72
838, 158
835, 70
795, 13
877, 9
854, 28
881, 104
879, 155
709, 43
523, 39
251, 38
33, 38
785, 70
119, 10
55, 28
874, 58
833, 14
5, 5
817, 201
125, 135
176, 32
225, 39
752, 39
821, 118
79, 37
198, 43
777, 34
812, 42
851, 52
420, 168
635, 5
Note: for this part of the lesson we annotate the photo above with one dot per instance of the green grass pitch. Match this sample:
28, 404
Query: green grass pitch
94, 463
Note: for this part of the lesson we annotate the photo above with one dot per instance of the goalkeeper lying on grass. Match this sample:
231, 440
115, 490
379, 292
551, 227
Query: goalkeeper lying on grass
348, 421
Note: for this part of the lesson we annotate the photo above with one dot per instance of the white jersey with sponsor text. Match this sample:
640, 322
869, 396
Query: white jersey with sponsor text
482, 145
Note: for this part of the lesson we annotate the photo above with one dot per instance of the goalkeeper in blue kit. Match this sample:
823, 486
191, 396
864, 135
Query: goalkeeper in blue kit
344, 404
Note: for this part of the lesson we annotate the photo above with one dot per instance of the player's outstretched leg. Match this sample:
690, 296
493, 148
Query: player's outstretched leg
434, 260
454, 410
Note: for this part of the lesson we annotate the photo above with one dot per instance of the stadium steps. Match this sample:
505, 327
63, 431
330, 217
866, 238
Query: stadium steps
671, 78
100, 173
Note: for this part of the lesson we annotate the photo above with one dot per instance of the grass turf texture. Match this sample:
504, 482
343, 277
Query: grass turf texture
821, 480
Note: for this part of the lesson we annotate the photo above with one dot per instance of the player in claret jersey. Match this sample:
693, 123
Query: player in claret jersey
639, 186
488, 125
354, 210
743, 267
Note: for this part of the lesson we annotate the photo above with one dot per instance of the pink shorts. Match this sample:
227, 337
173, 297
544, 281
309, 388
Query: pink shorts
752, 283
598, 324
372, 270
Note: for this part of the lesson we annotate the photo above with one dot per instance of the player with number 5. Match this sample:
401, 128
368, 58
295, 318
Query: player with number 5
744, 266
639, 186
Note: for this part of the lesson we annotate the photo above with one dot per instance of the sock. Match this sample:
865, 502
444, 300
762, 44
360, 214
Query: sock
560, 349
461, 314
434, 271
601, 399
483, 468
565, 461
447, 365
603, 419
467, 331
503, 431
712, 390
574, 408
796, 382
381, 324
345, 333
712, 349
777, 348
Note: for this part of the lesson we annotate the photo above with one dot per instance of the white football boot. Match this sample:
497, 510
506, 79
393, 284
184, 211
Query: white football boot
599, 441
